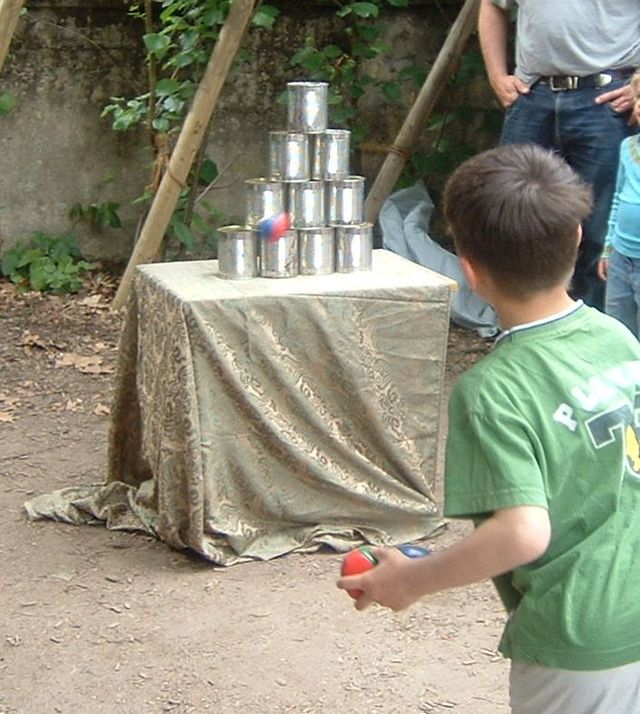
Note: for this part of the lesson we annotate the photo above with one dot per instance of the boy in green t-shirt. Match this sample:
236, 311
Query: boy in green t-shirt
543, 449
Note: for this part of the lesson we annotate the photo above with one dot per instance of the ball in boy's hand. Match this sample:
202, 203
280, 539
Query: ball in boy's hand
362, 559
414, 551
355, 562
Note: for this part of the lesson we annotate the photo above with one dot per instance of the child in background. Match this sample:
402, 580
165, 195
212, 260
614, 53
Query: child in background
620, 262
543, 449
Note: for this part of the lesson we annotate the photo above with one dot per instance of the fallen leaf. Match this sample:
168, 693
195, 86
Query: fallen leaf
102, 410
31, 340
88, 364
71, 359
96, 369
7, 417
92, 301
9, 402
72, 405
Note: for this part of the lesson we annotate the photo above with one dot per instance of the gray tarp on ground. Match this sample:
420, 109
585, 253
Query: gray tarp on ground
253, 418
404, 220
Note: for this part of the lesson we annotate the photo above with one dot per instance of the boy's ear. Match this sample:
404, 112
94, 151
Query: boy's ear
470, 273
579, 236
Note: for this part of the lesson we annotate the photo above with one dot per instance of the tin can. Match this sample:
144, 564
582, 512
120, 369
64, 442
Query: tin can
296, 157
289, 156
279, 258
346, 201
316, 247
306, 204
354, 248
265, 198
237, 252
333, 149
307, 106
315, 156
277, 151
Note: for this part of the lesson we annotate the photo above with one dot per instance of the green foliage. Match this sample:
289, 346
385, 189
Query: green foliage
98, 215
452, 132
198, 236
127, 113
178, 41
7, 103
266, 16
342, 66
46, 263
359, 9
179, 51
193, 227
455, 131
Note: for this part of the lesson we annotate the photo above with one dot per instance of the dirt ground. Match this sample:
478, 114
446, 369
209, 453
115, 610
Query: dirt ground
99, 621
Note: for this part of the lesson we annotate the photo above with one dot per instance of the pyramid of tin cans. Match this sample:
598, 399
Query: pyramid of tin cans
308, 180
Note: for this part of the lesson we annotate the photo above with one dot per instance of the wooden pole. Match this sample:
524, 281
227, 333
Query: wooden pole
407, 137
188, 143
9, 15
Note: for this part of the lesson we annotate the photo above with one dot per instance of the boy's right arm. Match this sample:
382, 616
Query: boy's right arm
511, 537
493, 31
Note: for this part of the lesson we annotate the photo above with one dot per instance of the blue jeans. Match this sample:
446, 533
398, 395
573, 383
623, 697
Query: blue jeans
623, 291
587, 136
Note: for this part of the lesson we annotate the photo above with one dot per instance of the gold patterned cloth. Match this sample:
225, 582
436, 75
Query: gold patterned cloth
256, 417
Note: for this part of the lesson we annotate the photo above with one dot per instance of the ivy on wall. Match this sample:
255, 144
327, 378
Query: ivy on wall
178, 39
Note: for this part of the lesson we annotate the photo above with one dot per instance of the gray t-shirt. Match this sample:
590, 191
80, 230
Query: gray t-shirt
574, 37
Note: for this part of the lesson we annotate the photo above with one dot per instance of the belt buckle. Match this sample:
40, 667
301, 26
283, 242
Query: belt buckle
561, 84
602, 79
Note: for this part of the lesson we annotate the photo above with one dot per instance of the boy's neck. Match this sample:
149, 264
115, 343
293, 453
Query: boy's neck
513, 312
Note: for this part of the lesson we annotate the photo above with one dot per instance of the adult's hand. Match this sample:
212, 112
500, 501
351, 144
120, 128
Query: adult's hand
494, 27
508, 88
621, 99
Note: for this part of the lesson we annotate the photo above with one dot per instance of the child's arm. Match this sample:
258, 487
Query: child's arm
510, 538
613, 212
603, 264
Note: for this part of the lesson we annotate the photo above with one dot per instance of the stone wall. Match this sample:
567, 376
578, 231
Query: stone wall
70, 56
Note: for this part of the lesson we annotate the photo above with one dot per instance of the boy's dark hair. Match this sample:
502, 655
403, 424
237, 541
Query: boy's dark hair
516, 210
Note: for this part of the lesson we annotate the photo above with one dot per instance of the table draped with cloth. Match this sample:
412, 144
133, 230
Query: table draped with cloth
252, 418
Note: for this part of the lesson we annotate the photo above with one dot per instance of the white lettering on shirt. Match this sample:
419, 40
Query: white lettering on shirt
564, 415
601, 390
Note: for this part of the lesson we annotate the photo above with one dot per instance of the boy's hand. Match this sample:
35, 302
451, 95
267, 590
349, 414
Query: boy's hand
603, 268
511, 537
388, 584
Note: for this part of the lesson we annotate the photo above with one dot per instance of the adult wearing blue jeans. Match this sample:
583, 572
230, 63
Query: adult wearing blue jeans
568, 92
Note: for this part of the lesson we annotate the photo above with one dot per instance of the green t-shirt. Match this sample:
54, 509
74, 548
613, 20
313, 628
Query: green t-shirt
551, 417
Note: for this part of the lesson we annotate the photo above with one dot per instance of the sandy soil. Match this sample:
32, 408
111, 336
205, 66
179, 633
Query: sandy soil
93, 620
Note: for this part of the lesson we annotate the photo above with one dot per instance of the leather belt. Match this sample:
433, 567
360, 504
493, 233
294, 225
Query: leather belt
562, 83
